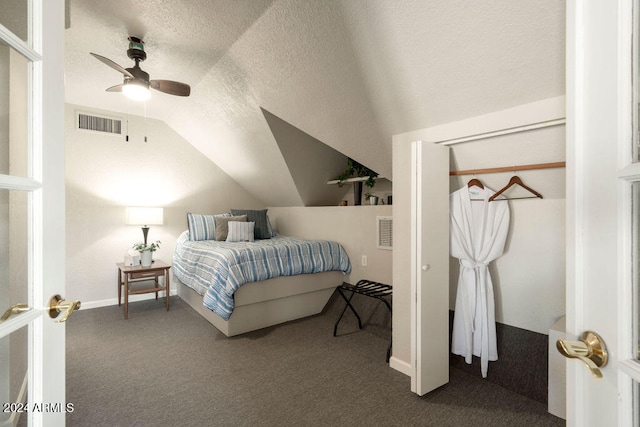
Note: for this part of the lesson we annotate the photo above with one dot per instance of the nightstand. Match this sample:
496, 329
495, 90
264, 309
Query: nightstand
132, 279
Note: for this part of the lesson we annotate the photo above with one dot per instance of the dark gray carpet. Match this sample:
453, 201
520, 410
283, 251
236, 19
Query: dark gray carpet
173, 368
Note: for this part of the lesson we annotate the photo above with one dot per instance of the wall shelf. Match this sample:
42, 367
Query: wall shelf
357, 179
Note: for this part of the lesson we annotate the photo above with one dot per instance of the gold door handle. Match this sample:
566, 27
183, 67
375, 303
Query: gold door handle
57, 305
590, 349
14, 309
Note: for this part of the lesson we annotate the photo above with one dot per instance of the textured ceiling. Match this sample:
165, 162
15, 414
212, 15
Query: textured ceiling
183, 41
348, 73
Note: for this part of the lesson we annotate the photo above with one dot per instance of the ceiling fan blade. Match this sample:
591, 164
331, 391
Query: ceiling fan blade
112, 64
116, 88
171, 87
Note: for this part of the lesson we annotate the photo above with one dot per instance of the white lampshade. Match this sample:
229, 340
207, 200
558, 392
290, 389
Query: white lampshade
144, 216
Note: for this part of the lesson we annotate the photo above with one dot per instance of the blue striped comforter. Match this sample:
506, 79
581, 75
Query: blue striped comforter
217, 269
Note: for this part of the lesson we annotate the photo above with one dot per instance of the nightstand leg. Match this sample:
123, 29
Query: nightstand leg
157, 284
167, 288
126, 296
119, 287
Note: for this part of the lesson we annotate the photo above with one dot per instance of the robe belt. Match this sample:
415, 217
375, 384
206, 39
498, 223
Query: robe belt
471, 264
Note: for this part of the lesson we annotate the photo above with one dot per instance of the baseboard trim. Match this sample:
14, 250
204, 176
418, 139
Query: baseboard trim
400, 366
114, 301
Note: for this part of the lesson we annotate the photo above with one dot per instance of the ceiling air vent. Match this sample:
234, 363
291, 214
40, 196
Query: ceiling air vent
385, 232
108, 125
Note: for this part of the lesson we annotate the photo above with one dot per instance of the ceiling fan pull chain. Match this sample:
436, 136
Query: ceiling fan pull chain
145, 121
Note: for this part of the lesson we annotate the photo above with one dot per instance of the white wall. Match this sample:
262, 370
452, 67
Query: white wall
529, 277
104, 174
354, 227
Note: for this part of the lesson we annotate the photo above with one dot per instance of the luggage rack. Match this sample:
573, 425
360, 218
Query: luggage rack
367, 288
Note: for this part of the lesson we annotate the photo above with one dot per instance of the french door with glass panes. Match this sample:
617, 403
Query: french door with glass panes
603, 208
32, 239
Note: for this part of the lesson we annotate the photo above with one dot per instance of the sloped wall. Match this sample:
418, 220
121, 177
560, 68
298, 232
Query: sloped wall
311, 163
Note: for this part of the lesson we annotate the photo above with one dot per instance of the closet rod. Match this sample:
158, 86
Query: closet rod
509, 168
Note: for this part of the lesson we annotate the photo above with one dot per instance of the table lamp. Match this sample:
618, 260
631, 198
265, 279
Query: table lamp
144, 216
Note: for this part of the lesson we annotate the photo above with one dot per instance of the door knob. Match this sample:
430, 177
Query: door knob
590, 349
14, 309
57, 305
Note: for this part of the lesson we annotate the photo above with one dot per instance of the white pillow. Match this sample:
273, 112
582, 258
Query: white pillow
240, 231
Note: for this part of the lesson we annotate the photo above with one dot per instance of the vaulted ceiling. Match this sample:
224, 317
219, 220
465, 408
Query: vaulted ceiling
347, 73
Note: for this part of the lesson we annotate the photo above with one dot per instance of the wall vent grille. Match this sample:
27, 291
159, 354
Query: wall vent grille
90, 123
385, 232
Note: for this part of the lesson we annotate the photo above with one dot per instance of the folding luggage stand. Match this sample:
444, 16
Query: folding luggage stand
369, 289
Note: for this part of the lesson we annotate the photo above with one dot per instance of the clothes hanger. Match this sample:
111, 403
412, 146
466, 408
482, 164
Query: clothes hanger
513, 181
476, 182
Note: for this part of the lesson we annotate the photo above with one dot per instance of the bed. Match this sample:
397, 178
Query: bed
245, 286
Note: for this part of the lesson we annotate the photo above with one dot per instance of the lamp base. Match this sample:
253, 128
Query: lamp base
145, 232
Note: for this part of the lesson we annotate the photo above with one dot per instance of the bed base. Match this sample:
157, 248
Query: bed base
270, 302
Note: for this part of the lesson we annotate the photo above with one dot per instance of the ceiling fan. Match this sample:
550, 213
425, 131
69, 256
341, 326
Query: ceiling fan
136, 81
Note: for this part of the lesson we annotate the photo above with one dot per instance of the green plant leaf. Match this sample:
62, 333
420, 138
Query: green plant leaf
355, 169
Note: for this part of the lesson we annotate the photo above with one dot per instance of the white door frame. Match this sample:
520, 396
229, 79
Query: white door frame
599, 175
51, 361
628, 173
45, 188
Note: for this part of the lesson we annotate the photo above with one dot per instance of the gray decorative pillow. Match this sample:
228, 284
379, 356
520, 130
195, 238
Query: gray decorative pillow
241, 231
261, 230
272, 232
222, 225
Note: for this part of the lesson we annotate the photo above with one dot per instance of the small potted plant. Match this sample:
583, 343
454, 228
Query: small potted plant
146, 252
373, 200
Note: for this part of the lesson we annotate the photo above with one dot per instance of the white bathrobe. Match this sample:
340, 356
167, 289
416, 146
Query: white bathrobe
478, 232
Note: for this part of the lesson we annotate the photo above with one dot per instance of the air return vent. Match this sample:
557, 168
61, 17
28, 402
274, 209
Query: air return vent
105, 125
385, 232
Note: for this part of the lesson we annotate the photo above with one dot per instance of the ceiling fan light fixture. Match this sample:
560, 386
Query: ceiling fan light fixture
136, 90
136, 81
